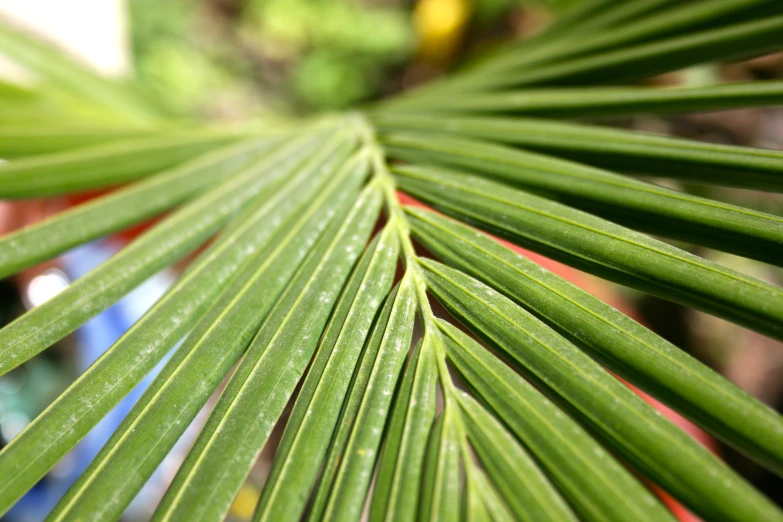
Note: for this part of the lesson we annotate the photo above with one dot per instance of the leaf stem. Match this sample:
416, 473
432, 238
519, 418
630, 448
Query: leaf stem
413, 270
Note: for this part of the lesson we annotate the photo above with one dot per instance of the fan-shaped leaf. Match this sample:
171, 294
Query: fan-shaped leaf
284, 283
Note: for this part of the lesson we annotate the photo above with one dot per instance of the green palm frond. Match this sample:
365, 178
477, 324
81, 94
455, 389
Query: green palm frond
464, 383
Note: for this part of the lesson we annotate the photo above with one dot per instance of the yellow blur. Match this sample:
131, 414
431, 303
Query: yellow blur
440, 25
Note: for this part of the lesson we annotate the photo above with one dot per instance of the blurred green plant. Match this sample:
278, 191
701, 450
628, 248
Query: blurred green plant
333, 53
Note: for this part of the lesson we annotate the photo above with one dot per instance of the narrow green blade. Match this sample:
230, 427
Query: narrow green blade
350, 406
57, 430
259, 389
633, 203
590, 18
524, 488
620, 418
347, 472
397, 488
199, 365
581, 23
620, 343
473, 504
161, 245
602, 248
307, 436
147, 198
497, 509
63, 73
102, 165
596, 486
18, 141
680, 19
596, 102
617, 149
440, 481
744, 39
731, 42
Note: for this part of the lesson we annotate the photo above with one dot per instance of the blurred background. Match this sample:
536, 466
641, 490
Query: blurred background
233, 60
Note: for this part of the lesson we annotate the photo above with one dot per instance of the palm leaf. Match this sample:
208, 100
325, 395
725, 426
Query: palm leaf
516, 414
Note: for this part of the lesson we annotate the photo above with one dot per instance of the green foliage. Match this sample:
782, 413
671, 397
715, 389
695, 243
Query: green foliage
503, 404
331, 53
